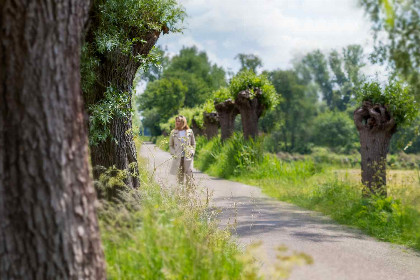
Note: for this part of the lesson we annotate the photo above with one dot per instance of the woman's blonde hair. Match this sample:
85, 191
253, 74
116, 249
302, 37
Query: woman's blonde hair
184, 122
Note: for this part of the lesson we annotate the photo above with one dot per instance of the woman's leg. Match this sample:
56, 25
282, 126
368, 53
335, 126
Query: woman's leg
188, 173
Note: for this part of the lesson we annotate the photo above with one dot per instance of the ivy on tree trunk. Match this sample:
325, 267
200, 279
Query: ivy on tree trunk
117, 70
48, 223
376, 127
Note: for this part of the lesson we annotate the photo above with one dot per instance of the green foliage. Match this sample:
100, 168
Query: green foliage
154, 71
190, 114
289, 124
158, 233
396, 25
385, 218
111, 185
117, 32
197, 73
197, 78
337, 75
309, 182
161, 100
335, 130
249, 80
208, 107
151, 119
122, 24
231, 157
222, 94
249, 62
114, 104
398, 99
407, 139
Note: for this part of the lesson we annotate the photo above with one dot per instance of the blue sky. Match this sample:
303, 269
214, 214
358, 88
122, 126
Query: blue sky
275, 30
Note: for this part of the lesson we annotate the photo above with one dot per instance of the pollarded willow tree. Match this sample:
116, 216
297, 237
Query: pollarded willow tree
226, 110
383, 111
120, 37
210, 119
254, 94
48, 224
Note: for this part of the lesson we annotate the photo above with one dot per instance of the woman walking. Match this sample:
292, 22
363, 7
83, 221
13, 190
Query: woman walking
182, 148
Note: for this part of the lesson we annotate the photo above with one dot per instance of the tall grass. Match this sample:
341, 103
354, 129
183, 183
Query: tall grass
316, 186
157, 233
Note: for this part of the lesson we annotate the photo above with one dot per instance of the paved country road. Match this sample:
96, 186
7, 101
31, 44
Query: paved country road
339, 252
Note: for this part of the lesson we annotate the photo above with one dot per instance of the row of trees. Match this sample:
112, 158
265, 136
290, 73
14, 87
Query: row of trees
48, 223
318, 99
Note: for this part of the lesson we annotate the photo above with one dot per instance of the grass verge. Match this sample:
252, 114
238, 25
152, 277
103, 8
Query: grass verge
317, 187
157, 233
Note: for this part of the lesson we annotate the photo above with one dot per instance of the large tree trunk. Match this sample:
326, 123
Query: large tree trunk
227, 112
118, 70
211, 125
376, 127
48, 224
251, 110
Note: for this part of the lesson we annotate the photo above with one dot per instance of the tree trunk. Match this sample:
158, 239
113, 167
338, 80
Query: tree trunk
227, 112
118, 70
376, 127
48, 224
211, 125
250, 109
195, 128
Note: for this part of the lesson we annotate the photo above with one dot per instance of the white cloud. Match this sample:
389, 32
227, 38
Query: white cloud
273, 29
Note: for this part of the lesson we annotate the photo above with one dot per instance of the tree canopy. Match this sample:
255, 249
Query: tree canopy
196, 78
400, 47
248, 80
397, 98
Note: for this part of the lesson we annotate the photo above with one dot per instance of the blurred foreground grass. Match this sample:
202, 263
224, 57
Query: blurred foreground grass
160, 233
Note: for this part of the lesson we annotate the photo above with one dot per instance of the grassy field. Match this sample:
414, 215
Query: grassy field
322, 187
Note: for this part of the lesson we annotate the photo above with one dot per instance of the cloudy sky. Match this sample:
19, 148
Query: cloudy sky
275, 30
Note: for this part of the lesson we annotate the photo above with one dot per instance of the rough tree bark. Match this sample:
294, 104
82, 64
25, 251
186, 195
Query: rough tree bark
376, 127
251, 109
227, 112
118, 69
211, 124
48, 224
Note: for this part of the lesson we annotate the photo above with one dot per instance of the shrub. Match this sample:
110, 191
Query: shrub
335, 130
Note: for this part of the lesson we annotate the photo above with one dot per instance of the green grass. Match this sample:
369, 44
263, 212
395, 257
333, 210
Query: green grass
317, 187
155, 233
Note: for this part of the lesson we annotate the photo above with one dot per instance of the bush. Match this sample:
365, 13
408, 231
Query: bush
335, 130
